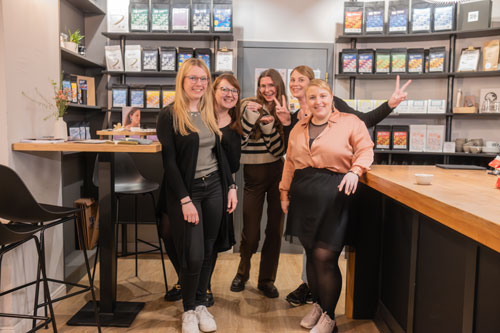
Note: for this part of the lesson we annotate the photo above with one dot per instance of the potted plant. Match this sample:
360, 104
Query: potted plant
74, 40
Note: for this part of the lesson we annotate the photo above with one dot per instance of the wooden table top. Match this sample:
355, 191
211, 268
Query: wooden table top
466, 201
88, 147
128, 133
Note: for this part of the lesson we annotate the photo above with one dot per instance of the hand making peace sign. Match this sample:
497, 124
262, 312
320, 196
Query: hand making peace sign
398, 95
282, 111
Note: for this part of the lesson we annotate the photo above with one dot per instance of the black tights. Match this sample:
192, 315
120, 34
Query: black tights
324, 277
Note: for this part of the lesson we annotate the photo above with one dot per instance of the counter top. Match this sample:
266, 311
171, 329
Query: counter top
466, 201
88, 147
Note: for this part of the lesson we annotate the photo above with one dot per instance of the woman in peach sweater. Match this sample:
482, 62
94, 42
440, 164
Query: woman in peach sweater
327, 153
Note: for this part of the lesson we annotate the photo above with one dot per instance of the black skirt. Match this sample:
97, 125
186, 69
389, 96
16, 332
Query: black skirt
318, 212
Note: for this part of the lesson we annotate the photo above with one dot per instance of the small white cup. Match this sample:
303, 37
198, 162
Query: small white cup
424, 178
491, 144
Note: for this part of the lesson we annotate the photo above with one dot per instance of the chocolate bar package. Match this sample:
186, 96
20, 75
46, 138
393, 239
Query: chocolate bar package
160, 15
374, 17
222, 16
398, 60
153, 97
183, 54
167, 95
205, 55
400, 135
421, 16
437, 59
353, 17
137, 96
382, 137
150, 59
398, 17
365, 61
168, 59
349, 61
444, 17
200, 16
139, 15
416, 61
119, 95
382, 61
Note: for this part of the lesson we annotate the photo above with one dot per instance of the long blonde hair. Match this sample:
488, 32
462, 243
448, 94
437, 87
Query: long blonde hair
182, 120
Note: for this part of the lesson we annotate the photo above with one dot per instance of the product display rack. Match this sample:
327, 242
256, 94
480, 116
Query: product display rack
192, 36
150, 74
450, 75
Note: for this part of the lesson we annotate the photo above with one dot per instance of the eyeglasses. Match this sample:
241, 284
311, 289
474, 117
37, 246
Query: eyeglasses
227, 91
195, 79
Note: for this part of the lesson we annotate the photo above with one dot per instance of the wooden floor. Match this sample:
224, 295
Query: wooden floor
247, 311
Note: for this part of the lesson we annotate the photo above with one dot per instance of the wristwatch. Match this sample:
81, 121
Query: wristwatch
233, 186
356, 172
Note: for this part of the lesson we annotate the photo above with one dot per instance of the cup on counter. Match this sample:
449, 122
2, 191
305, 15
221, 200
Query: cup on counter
424, 178
459, 144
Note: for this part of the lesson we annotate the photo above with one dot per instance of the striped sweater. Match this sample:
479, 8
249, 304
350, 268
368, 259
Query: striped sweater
269, 148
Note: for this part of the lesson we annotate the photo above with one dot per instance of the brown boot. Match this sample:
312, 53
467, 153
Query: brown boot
325, 325
312, 317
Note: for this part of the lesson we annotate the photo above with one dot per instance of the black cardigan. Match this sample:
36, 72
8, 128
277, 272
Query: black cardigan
370, 119
231, 143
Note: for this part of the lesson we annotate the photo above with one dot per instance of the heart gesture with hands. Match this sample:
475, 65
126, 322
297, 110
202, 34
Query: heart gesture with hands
282, 111
399, 94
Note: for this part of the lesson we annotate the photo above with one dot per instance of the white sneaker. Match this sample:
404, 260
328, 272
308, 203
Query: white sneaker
205, 319
190, 322
312, 316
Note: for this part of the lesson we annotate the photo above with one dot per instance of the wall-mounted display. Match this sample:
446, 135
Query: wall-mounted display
398, 60
180, 15
469, 59
382, 61
205, 55
353, 17
200, 16
474, 15
183, 54
437, 57
114, 61
416, 61
139, 15
365, 61
137, 95
133, 58
153, 97
444, 17
150, 59
491, 52
398, 17
119, 94
160, 15
224, 60
223, 16
374, 17
168, 59
421, 13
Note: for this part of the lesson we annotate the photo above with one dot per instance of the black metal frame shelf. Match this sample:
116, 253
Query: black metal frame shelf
143, 110
488, 115
476, 74
378, 76
88, 7
225, 37
419, 115
78, 59
84, 106
151, 74
445, 35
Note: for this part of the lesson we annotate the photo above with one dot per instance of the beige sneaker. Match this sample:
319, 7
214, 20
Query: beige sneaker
190, 322
325, 325
312, 317
205, 319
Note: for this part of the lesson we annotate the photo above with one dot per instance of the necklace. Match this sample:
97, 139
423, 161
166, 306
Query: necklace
323, 124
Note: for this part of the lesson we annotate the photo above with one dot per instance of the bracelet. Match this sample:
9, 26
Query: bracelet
185, 203
354, 173
233, 186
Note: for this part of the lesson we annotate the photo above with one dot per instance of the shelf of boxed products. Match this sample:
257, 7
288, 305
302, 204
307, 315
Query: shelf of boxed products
83, 106
486, 115
77, 59
224, 37
88, 7
418, 37
153, 74
407, 152
370, 76
418, 115
143, 110
476, 74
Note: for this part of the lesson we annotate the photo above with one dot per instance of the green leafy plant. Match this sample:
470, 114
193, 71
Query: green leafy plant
60, 100
75, 37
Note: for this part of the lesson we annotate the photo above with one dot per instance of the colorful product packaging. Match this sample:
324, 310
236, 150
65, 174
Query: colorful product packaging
353, 17
374, 17
400, 137
153, 97
160, 15
167, 95
382, 61
349, 61
365, 61
139, 15
223, 16
200, 16
150, 59
168, 59
398, 17
416, 61
437, 59
444, 17
183, 54
180, 15
205, 55
398, 60
119, 95
382, 137
421, 14
137, 95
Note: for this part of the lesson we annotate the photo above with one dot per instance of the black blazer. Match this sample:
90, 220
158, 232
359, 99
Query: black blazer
180, 154
231, 143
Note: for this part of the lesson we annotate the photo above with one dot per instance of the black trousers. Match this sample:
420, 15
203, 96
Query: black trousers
195, 244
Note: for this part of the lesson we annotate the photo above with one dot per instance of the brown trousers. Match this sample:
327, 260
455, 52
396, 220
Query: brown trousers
261, 179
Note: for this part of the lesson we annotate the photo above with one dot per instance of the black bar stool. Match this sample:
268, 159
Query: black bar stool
18, 205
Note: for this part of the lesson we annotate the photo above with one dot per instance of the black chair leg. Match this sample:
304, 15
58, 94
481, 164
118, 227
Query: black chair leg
87, 266
160, 243
95, 262
37, 289
135, 232
41, 259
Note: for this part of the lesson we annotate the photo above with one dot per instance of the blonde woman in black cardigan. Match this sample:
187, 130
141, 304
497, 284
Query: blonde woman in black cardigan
197, 189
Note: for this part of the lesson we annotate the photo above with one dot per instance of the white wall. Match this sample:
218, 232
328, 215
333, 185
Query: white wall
29, 58
321, 21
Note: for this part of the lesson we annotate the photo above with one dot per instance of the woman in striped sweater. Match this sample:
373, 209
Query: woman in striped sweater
261, 154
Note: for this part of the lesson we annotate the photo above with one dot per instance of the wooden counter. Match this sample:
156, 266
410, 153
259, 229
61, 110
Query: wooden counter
88, 147
466, 201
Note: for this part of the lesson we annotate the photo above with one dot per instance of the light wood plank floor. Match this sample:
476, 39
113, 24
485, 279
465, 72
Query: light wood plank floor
247, 311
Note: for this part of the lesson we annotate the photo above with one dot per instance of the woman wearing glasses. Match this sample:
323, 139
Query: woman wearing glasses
197, 187
262, 150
